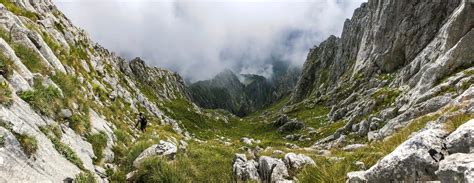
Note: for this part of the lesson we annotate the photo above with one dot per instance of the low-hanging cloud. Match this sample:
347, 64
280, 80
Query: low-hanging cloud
199, 38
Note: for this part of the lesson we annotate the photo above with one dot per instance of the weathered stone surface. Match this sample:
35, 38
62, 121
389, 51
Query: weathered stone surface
243, 169
356, 177
164, 148
291, 126
297, 161
283, 119
410, 161
272, 170
462, 139
457, 168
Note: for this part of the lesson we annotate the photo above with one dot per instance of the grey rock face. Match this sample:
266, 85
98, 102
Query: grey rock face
283, 119
411, 161
356, 177
164, 149
297, 161
462, 139
272, 170
66, 113
243, 169
457, 168
291, 126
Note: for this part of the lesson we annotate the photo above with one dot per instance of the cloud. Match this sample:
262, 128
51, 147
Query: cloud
199, 38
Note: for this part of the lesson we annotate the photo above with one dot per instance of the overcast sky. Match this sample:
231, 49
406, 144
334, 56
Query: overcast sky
200, 38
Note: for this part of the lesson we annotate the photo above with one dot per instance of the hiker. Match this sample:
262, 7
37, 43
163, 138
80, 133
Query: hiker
142, 121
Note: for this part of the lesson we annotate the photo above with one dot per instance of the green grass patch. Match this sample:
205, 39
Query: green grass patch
457, 120
85, 177
155, 169
6, 66
5, 93
385, 97
28, 143
45, 99
31, 59
99, 142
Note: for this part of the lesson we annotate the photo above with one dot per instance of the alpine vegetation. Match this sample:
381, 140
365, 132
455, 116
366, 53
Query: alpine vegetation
391, 99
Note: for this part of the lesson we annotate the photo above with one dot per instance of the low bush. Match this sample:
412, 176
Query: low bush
80, 123
85, 177
99, 142
28, 144
6, 66
31, 59
154, 169
45, 99
5, 93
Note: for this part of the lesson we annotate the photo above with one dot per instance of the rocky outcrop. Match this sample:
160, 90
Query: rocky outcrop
170, 85
380, 75
461, 140
414, 160
296, 162
269, 169
243, 169
457, 168
92, 92
163, 149
272, 170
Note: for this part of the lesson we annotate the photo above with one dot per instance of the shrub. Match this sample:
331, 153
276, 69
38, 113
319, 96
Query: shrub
31, 59
80, 123
156, 170
5, 93
85, 177
27, 143
99, 142
384, 97
2, 140
122, 136
51, 131
44, 99
6, 66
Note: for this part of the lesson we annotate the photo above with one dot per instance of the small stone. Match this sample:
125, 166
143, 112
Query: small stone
66, 113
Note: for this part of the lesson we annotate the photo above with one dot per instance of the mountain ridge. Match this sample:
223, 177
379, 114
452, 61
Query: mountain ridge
392, 99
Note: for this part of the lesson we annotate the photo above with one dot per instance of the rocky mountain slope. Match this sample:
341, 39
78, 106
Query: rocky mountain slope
68, 105
390, 100
245, 93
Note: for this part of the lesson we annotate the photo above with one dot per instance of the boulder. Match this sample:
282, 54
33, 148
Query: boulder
356, 177
272, 170
457, 168
283, 119
66, 113
353, 147
363, 128
164, 148
247, 141
297, 161
291, 126
243, 169
415, 159
462, 139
